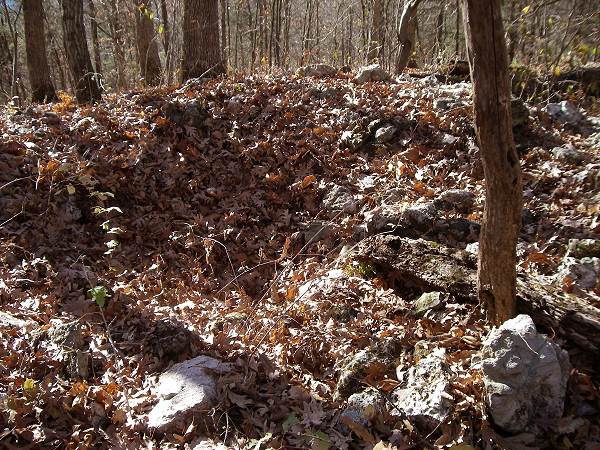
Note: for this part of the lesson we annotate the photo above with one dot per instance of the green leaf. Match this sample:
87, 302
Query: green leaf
290, 422
99, 295
161, 29
320, 441
527, 9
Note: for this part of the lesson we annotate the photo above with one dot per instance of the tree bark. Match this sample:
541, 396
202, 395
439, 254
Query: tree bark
406, 33
201, 48
377, 31
87, 89
147, 47
95, 40
42, 89
488, 61
118, 45
166, 39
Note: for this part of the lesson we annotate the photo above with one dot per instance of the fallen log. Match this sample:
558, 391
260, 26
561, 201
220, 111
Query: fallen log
429, 266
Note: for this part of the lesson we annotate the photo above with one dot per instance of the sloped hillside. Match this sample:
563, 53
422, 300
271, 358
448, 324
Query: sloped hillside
222, 218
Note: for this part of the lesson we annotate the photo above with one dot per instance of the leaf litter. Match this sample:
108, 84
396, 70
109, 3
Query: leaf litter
169, 223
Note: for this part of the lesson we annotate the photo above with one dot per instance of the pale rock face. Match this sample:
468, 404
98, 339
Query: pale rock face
424, 397
525, 376
584, 272
183, 390
316, 70
339, 199
564, 112
371, 73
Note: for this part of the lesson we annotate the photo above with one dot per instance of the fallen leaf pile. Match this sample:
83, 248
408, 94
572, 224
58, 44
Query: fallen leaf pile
163, 224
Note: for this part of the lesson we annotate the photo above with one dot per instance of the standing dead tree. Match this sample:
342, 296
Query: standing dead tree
406, 34
488, 58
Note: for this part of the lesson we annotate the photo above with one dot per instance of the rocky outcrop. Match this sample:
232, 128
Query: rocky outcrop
374, 72
525, 376
316, 70
425, 396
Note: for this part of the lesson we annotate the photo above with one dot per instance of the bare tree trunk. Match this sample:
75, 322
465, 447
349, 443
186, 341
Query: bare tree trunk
147, 46
95, 41
118, 44
224, 30
377, 31
78, 56
439, 35
496, 283
406, 33
42, 89
166, 39
14, 33
201, 49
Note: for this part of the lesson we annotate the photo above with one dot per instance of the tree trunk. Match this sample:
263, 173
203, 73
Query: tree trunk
118, 45
377, 32
42, 89
78, 56
147, 47
95, 41
201, 49
406, 34
488, 61
166, 39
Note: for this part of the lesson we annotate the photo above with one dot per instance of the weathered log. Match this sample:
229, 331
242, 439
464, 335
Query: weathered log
587, 75
429, 266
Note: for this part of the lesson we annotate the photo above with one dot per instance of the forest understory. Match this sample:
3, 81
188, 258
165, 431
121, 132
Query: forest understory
223, 217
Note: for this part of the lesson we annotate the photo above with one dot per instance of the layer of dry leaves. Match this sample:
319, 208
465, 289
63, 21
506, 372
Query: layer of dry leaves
198, 224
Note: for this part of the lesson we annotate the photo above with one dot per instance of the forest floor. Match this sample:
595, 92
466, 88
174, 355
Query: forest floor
201, 211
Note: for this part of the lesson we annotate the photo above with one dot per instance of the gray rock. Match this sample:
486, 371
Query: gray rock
594, 140
426, 302
352, 139
186, 389
443, 104
564, 112
385, 134
424, 397
584, 248
50, 118
421, 216
584, 272
316, 70
356, 366
457, 199
67, 335
525, 376
459, 230
520, 112
383, 218
568, 153
70, 341
318, 230
430, 80
527, 216
374, 72
10, 321
364, 406
339, 199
